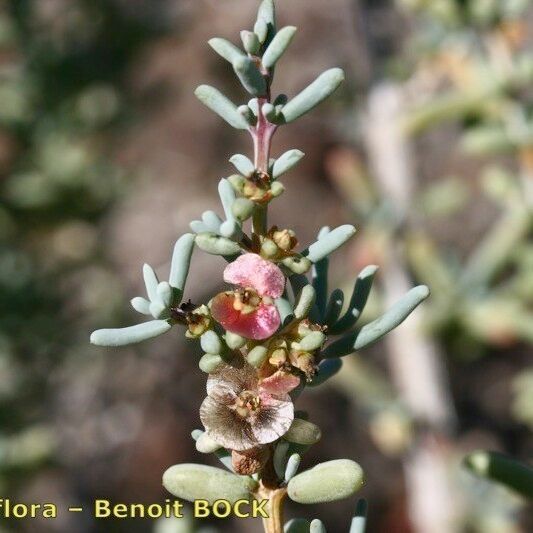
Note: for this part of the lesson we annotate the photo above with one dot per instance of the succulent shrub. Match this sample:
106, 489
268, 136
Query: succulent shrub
276, 329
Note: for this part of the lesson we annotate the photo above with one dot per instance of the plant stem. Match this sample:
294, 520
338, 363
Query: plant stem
275, 497
262, 135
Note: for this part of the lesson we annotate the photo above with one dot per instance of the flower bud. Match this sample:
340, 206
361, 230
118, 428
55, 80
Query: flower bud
313, 341
211, 343
234, 341
257, 356
326, 482
242, 209
210, 363
285, 239
269, 249
297, 264
278, 357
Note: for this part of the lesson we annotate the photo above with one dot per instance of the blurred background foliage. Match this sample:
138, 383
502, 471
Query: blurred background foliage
105, 156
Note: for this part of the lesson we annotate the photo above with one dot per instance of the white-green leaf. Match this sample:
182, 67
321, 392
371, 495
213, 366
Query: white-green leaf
222, 106
141, 305
329, 243
325, 85
226, 49
242, 164
131, 335
151, 282
181, 261
286, 162
278, 46
250, 77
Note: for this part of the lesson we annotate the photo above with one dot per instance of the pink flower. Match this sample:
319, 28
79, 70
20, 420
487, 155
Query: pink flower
250, 311
240, 413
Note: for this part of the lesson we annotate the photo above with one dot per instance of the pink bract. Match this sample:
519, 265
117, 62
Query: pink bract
258, 325
251, 270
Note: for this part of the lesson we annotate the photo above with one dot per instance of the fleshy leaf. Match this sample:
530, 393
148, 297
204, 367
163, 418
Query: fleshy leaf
326, 482
217, 245
297, 525
360, 294
326, 369
151, 282
376, 329
242, 164
358, 524
502, 469
131, 335
223, 455
250, 77
193, 482
317, 526
226, 49
222, 106
285, 310
305, 301
278, 46
314, 94
334, 308
292, 466
285, 162
280, 458
141, 305
211, 343
181, 261
329, 243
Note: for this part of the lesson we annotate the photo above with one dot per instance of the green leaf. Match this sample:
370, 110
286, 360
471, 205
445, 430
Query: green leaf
216, 245
227, 198
164, 291
210, 363
257, 356
304, 302
285, 310
303, 432
278, 46
211, 221
223, 455
243, 165
211, 343
292, 466
502, 469
296, 525
334, 308
250, 77
151, 282
250, 41
358, 524
131, 335
181, 261
314, 94
141, 305
265, 26
205, 444
226, 49
326, 369
375, 330
286, 162
242, 209
280, 457
313, 341
361, 291
194, 482
326, 482
329, 243
317, 527
234, 341
222, 106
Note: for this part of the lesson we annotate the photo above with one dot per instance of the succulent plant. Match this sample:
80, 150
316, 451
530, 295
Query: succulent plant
274, 331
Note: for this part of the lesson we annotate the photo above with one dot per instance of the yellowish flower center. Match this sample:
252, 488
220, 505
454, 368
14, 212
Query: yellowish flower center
246, 301
247, 403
